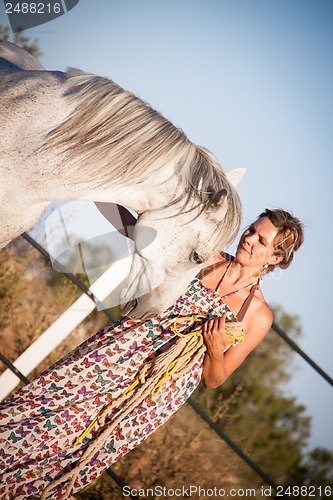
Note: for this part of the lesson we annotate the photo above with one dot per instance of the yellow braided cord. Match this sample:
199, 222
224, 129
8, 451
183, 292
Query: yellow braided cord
92, 424
136, 382
175, 362
233, 329
186, 319
234, 332
94, 421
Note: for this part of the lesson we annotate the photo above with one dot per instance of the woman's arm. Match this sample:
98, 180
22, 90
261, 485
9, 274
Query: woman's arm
120, 218
218, 365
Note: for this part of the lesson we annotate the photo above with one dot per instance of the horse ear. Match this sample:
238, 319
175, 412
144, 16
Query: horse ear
235, 175
216, 196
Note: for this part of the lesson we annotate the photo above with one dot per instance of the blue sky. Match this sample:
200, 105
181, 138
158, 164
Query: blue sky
252, 81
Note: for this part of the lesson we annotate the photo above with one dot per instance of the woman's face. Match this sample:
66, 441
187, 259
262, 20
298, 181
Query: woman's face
256, 245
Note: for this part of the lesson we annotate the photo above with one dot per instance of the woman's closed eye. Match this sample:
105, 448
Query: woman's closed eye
252, 230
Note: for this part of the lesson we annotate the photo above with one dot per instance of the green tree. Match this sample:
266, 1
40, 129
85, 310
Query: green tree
316, 470
20, 39
255, 409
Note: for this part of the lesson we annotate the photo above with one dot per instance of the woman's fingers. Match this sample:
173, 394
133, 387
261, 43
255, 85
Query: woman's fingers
215, 335
213, 326
221, 322
208, 326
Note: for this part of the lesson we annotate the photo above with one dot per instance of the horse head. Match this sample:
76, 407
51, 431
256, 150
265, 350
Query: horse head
171, 248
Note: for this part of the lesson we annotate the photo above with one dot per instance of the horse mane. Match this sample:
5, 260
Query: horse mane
113, 137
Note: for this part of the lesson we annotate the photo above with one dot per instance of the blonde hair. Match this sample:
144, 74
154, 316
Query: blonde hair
112, 137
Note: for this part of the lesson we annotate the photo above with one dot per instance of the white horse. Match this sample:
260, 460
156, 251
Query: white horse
72, 135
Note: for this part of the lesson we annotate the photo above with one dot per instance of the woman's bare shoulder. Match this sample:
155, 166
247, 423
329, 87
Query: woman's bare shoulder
260, 315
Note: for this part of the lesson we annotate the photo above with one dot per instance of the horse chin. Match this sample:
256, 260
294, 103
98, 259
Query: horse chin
141, 317
135, 311
127, 308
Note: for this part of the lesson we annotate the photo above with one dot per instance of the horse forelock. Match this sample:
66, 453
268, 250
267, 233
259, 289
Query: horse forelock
206, 181
112, 136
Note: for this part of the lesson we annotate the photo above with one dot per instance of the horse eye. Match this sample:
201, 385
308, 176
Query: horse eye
196, 258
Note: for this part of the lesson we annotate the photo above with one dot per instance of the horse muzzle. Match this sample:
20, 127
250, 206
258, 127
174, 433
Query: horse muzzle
126, 308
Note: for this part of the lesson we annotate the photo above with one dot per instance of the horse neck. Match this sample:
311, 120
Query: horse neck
155, 192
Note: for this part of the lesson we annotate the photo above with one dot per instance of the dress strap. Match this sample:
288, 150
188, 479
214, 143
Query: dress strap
222, 278
216, 265
254, 286
247, 301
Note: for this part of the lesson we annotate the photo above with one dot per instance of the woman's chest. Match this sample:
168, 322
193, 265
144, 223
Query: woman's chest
234, 299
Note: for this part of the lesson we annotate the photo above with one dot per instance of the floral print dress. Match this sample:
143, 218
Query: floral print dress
40, 423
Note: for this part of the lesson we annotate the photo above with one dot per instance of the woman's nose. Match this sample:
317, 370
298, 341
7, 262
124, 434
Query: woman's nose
250, 238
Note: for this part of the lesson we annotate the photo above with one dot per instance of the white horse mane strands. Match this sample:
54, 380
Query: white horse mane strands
128, 140
112, 128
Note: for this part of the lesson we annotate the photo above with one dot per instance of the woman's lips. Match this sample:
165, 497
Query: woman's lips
245, 250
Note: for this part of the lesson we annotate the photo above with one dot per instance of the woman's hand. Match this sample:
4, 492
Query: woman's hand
215, 337
216, 340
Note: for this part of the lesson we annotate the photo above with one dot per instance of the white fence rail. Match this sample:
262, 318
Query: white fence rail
64, 325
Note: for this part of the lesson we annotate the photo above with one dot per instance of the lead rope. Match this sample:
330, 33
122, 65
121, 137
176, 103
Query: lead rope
184, 353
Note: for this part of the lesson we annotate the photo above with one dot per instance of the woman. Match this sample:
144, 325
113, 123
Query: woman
47, 447
269, 242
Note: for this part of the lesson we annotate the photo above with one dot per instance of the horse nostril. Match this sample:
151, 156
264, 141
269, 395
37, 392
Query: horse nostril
128, 307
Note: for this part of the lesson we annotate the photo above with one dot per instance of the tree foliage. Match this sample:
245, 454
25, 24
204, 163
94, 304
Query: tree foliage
32, 297
22, 40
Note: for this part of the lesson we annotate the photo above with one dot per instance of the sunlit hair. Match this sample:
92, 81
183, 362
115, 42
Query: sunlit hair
289, 236
113, 138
